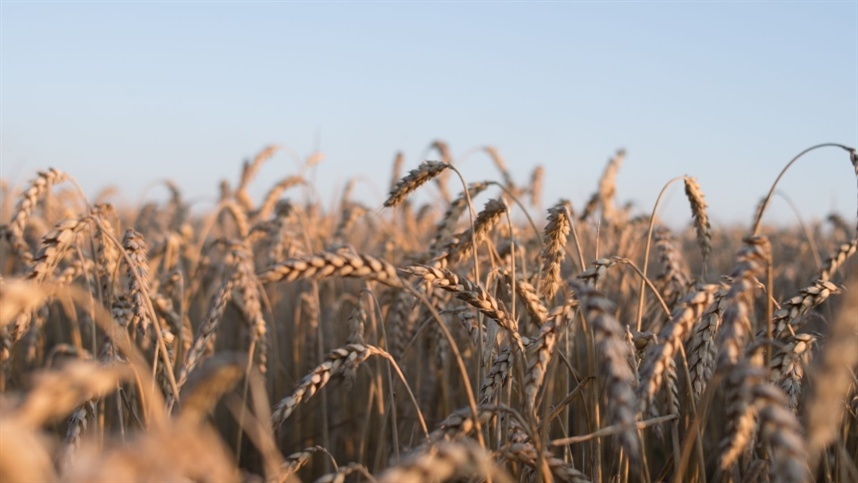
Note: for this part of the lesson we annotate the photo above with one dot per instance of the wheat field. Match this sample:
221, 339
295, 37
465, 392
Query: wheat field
477, 336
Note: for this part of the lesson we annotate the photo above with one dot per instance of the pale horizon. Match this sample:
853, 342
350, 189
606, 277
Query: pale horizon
127, 94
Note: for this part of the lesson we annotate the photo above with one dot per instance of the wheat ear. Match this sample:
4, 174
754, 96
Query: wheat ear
688, 311
472, 294
328, 264
553, 249
701, 218
413, 180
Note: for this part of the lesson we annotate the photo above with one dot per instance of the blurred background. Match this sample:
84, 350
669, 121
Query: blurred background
127, 94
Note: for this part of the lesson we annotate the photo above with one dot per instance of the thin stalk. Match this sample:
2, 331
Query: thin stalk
646, 249
762, 209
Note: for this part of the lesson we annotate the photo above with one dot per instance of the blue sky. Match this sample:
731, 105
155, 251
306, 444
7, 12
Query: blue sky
130, 93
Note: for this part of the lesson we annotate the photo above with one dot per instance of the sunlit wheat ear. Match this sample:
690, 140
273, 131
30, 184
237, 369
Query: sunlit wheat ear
485, 221
56, 393
19, 297
357, 327
787, 366
336, 363
445, 461
832, 377
78, 423
351, 213
684, 316
238, 215
282, 244
535, 189
413, 180
25, 206
751, 401
138, 287
613, 358
673, 280
177, 208
328, 264
739, 411
207, 328
273, 195
248, 172
447, 157
248, 288
497, 159
497, 375
590, 207
527, 293
608, 185
471, 294
793, 309
837, 259
107, 254
701, 218
400, 322
396, 169
701, 349
735, 331
543, 348
474, 326
553, 249
782, 433
53, 248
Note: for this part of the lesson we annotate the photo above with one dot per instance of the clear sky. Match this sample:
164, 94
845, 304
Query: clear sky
127, 93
